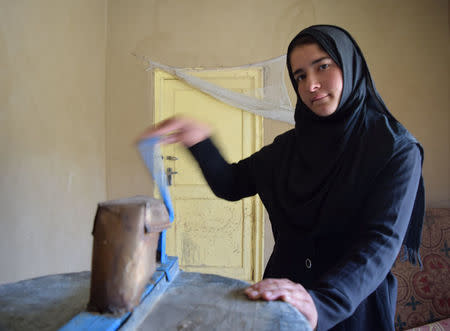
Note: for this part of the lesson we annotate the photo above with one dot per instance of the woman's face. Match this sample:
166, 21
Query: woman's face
319, 78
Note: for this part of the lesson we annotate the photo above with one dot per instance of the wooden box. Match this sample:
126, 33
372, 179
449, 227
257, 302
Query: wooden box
126, 234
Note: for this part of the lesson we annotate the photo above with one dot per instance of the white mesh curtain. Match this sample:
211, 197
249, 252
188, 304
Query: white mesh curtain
270, 101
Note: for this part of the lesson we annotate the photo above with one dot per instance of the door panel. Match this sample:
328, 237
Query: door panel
211, 235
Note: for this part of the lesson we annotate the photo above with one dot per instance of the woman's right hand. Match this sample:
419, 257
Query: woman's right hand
178, 129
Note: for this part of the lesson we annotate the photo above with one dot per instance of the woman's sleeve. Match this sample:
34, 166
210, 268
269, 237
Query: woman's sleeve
385, 219
228, 181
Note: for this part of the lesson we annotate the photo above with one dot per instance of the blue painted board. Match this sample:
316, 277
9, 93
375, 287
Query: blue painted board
104, 322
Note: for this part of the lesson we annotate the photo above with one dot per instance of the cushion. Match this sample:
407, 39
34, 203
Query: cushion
424, 293
443, 325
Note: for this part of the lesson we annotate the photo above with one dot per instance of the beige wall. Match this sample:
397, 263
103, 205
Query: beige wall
405, 43
54, 111
52, 133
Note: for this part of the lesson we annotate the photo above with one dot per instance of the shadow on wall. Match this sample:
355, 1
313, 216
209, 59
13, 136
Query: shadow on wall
204, 38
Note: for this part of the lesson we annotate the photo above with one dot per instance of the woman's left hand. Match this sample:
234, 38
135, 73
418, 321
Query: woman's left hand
283, 289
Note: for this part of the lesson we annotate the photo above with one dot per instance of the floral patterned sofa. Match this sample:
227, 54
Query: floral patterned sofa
423, 301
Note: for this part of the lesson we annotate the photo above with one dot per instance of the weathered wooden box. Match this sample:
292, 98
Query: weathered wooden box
126, 234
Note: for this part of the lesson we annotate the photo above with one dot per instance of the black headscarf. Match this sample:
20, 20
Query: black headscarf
324, 142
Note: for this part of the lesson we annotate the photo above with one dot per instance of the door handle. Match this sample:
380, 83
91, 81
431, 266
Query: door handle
171, 158
170, 173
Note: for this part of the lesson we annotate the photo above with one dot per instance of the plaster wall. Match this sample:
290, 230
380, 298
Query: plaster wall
52, 134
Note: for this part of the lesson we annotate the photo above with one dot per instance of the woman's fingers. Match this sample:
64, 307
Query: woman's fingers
178, 129
271, 284
163, 128
171, 138
288, 291
274, 289
268, 289
278, 293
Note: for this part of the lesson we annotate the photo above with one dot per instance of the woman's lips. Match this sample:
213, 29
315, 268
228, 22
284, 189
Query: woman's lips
318, 97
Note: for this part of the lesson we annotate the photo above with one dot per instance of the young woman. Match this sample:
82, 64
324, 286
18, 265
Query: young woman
343, 189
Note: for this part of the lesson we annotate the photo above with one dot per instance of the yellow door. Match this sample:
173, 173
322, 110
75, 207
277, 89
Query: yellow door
210, 235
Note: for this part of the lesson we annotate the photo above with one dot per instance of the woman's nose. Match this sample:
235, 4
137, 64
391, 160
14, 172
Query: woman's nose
313, 84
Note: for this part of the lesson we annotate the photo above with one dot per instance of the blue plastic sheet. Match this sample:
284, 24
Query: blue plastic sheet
151, 154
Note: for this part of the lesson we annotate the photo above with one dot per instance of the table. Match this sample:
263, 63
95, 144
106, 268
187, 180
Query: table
180, 301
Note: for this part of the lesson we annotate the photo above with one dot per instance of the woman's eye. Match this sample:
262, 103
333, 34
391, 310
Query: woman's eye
324, 66
301, 77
